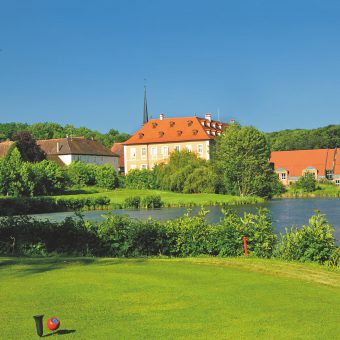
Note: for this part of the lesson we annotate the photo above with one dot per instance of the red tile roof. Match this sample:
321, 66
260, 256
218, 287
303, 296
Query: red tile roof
118, 149
74, 146
298, 160
4, 147
176, 130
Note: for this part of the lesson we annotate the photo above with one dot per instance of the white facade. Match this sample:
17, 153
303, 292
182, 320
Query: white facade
90, 159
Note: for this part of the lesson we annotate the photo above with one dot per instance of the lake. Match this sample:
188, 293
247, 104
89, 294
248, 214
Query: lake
285, 212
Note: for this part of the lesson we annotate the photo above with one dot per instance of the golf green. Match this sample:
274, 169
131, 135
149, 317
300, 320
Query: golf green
202, 298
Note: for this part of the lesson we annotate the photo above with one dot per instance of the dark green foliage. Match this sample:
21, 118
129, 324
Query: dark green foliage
314, 242
53, 130
140, 179
35, 205
299, 139
122, 236
241, 159
151, 202
28, 148
132, 202
306, 183
106, 177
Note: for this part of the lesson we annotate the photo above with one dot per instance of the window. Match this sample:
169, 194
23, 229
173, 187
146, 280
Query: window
165, 151
200, 149
143, 153
189, 147
154, 152
337, 182
133, 153
283, 175
144, 166
177, 148
133, 166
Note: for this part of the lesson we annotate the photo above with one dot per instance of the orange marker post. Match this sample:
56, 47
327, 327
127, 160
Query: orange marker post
245, 246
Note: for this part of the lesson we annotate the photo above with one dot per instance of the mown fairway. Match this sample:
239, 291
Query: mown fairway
169, 298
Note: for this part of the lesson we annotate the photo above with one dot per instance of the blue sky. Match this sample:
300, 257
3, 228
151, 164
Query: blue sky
271, 64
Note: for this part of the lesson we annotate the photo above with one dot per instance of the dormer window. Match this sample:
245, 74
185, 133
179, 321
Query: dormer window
179, 132
161, 133
141, 135
213, 133
172, 124
194, 132
208, 132
154, 125
190, 122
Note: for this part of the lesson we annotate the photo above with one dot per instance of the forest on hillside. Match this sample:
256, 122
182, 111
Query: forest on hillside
54, 130
302, 139
320, 138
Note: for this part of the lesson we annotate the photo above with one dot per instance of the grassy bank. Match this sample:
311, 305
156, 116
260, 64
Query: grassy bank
170, 199
170, 298
323, 190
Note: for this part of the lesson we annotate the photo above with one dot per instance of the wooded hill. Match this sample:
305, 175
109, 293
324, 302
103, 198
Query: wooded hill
297, 139
54, 130
302, 139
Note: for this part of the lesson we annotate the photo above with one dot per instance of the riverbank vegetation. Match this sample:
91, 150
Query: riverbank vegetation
121, 236
169, 298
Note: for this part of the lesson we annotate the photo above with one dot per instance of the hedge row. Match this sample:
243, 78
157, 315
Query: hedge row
121, 236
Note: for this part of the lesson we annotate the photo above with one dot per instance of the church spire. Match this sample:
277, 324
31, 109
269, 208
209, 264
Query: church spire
145, 115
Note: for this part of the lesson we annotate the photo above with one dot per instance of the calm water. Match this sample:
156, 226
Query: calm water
285, 212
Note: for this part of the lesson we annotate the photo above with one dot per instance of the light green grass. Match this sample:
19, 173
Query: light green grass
202, 298
171, 199
323, 190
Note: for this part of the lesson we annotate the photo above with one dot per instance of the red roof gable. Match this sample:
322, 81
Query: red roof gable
118, 149
176, 130
298, 160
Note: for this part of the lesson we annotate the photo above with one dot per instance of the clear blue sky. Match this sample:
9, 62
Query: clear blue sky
271, 64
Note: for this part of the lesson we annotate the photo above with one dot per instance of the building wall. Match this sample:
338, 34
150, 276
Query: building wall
145, 156
90, 159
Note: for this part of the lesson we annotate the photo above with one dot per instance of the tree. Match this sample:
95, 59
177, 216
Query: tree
106, 177
28, 148
307, 182
140, 179
241, 158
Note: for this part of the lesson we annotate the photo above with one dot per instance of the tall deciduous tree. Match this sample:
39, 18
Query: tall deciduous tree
28, 148
241, 157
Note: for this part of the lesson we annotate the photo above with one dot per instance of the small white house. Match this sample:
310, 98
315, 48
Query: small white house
67, 150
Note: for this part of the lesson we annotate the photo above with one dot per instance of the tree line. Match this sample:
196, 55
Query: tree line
54, 130
302, 139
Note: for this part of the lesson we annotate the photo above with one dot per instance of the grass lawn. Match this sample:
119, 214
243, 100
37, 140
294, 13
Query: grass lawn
202, 298
323, 190
169, 198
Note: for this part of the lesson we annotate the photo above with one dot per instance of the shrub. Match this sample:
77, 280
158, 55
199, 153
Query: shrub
151, 202
306, 182
314, 242
132, 202
106, 177
140, 179
81, 174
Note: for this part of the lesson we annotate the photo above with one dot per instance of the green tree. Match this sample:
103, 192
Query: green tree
307, 182
241, 158
81, 174
106, 177
140, 179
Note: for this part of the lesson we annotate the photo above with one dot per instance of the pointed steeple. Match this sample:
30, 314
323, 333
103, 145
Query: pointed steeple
145, 114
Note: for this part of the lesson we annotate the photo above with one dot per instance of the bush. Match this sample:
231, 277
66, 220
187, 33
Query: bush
314, 242
151, 202
140, 179
132, 202
81, 174
106, 177
306, 182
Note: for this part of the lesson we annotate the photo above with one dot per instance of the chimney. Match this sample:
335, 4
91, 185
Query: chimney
208, 116
161, 116
58, 147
